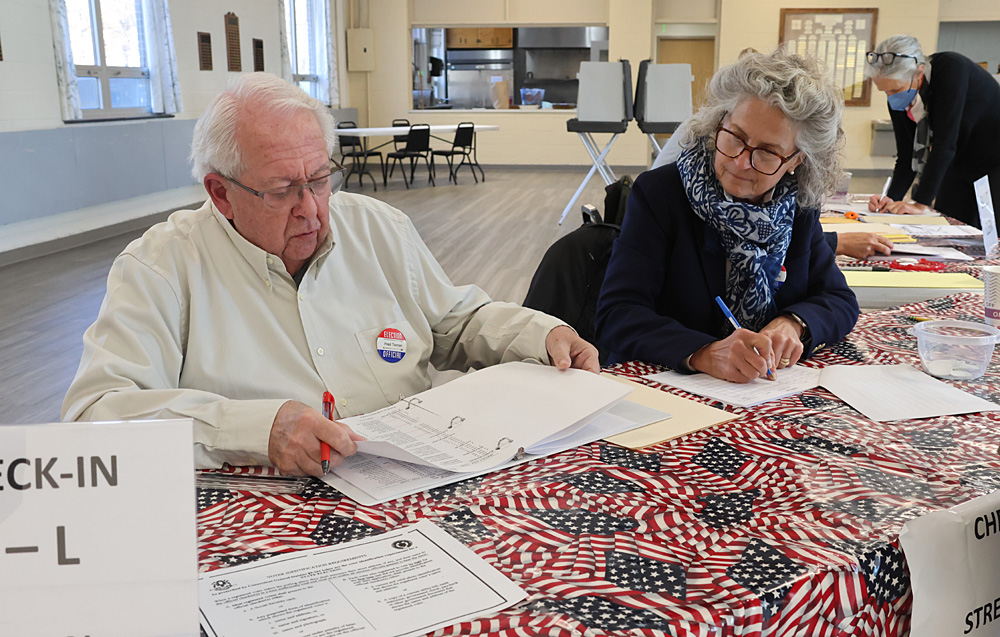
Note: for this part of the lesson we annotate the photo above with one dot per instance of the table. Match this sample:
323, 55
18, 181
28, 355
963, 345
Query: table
386, 131
784, 521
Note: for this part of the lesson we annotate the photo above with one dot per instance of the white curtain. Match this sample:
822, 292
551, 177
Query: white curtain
165, 90
286, 57
69, 89
329, 86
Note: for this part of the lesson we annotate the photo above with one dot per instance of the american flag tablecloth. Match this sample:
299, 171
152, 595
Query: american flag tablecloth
782, 522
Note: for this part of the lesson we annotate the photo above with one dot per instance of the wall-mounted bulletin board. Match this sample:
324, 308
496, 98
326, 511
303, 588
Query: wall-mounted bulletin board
839, 37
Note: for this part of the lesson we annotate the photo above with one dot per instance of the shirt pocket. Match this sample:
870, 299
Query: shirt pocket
399, 369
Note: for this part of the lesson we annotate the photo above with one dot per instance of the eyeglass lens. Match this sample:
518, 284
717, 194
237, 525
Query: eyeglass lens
321, 187
761, 159
888, 57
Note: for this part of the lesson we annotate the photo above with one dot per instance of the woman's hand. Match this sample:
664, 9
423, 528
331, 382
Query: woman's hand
861, 245
908, 208
785, 335
734, 357
877, 203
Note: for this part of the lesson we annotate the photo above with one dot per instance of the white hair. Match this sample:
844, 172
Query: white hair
214, 148
902, 68
802, 89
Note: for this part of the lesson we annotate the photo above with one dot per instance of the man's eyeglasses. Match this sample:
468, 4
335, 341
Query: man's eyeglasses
764, 161
888, 57
285, 196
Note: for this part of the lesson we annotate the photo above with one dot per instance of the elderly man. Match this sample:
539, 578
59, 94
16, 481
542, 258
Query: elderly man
242, 313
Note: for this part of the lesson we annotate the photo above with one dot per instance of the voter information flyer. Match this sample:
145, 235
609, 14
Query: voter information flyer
409, 581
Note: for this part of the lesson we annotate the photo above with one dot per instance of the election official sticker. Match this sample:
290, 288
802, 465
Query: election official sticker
391, 345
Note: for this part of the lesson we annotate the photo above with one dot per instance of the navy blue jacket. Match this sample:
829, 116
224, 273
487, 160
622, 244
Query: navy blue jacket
657, 303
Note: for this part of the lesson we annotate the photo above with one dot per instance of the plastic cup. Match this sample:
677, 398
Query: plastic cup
955, 350
843, 186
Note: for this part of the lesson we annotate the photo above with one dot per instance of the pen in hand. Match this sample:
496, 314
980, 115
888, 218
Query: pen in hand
885, 191
325, 446
736, 325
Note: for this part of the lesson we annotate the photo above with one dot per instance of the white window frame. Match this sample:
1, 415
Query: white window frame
315, 54
105, 73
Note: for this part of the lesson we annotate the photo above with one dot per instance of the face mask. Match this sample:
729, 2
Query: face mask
901, 100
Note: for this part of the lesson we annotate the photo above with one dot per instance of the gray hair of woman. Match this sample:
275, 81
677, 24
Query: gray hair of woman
214, 148
802, 89
903, 67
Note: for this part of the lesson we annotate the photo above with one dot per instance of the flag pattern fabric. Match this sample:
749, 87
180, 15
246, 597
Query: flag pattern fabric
784, 521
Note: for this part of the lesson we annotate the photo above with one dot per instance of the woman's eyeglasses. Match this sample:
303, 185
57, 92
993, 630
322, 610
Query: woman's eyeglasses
764, 161
887, 57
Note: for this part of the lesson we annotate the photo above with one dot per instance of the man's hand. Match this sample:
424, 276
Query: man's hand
877, 203
861, 245
296, 435
734, 359
785, 334
566, 349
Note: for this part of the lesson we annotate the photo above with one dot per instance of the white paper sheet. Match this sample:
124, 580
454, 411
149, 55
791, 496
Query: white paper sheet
937, 231
481, 420
409, 581
936, 253
898, 392
789, 381
372, 480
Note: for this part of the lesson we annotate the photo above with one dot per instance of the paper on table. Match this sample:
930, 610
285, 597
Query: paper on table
688, 416
937, 231
898, 392
481, 420
939, 253
918, 279
409, 581
880, 228
372, 480
791, 380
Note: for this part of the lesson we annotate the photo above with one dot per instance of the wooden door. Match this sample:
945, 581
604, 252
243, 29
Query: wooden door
698, 52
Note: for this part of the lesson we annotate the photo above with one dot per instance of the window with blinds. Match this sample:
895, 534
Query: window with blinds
258, 55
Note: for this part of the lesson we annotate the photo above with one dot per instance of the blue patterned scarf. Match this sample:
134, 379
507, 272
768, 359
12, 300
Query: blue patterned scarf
755, 238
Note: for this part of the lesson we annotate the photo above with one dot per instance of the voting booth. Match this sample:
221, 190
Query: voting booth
98, 529
603, 105
662, 98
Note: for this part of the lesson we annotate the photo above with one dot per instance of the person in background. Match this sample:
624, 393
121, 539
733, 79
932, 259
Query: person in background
242, 313
735, 217
945, 113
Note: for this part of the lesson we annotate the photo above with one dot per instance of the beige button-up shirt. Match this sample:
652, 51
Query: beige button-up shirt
198, 322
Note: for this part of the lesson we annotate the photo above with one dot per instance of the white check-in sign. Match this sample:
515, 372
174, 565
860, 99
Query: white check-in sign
98, 534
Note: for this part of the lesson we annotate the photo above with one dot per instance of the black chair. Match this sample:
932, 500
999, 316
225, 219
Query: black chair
352, 146
418, 144
399, 141
464, 144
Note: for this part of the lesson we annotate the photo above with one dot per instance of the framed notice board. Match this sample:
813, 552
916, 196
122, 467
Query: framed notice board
839, 37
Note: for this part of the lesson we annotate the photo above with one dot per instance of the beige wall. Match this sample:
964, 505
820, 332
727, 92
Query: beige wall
755, 24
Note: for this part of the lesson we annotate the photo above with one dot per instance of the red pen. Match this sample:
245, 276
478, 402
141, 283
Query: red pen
328, 403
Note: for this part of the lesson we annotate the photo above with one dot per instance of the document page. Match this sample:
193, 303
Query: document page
483, 419
405, 582
938, 231
898, 392
791, 380
370, 480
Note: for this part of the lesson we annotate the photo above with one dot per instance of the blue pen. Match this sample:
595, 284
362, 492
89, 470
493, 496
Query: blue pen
736, 325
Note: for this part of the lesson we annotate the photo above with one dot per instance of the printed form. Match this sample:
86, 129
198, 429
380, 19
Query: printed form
409, 581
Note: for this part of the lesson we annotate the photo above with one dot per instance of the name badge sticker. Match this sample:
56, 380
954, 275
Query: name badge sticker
391, 345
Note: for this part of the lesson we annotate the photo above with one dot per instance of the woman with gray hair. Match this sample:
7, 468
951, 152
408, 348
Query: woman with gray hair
947, 128
735, 221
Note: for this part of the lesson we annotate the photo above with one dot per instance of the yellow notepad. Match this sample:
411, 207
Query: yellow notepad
934, 280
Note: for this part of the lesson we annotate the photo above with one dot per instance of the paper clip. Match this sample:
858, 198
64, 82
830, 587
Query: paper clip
456, 418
